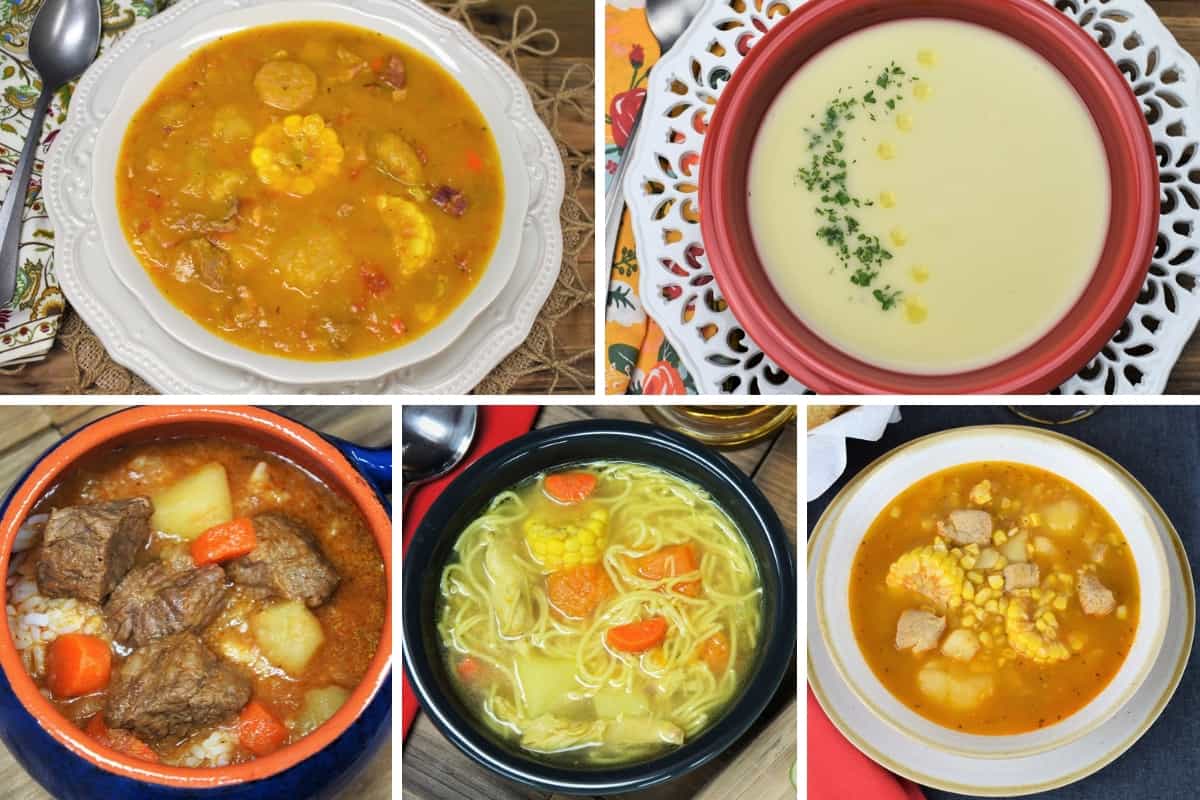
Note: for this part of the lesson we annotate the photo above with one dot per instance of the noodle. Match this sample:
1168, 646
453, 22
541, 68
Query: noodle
668, 687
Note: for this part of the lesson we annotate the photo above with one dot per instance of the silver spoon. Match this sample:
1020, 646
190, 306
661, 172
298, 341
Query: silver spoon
668, 20
434, 440
63, 42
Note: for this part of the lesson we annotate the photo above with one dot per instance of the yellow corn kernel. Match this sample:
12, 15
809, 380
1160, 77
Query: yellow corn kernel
904, 122
968, 562
1001, 563
968, 591
1122, 612
955, 601
992, 607
1060, 603
1076, 641
922, 91
886, 151
1005, 503
895, 512
974, 577
919, 273
899, 237
927, 58
996, 581
983, 595
999, 538
1036, 594
985, 639
887, 199
969, 621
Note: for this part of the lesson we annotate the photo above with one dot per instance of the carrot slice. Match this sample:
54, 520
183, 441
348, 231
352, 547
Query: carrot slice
258, 729
224, 542
469, 669
570, 487
671, 562
78, 664
637, 637
575, 592
120, 740
714, 651
378, 63
474, 161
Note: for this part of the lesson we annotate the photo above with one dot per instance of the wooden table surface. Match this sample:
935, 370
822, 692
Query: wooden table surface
756, 767
574, 21
27, 431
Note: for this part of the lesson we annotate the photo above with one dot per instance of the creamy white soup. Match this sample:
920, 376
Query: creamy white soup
929, 196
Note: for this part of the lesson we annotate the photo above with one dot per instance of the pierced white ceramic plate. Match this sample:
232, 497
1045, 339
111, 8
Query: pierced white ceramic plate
112, 292
906, 743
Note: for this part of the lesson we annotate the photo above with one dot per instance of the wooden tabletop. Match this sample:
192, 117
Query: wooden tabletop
574, 334
757, 766
27, 431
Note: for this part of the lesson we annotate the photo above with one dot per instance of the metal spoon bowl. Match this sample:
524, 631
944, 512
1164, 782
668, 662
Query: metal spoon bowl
434, 440
63, 43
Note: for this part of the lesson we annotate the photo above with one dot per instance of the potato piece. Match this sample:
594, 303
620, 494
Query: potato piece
397, 159
961, 645
310, 259
612, 703
1063, 516
413, 236
1042, 546
318, 706
288, 634
1014, 549
942, 684
229, 125
286, 85
988, 558
547, 684
193, 504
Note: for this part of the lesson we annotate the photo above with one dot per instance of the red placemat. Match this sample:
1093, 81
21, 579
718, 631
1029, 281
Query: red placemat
495, 426
838, 771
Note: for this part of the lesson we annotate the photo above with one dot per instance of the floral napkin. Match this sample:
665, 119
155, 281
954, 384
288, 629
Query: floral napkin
29, 323
639, 358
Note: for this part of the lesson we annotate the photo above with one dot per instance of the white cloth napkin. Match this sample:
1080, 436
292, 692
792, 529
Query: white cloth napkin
827, 443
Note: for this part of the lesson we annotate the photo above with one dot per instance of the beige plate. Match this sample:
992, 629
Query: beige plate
1026, 774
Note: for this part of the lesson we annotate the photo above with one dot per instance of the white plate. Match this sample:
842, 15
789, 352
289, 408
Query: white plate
116, 297
1083, 750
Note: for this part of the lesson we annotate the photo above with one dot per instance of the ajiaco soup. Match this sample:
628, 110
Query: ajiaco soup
196, 602
994, 598
601, 614
312, 191
929, 196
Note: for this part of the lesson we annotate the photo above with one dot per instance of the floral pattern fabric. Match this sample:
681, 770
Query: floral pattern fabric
639, 359
30, 322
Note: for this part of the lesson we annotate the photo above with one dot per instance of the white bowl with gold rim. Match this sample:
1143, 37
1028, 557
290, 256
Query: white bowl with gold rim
838, 534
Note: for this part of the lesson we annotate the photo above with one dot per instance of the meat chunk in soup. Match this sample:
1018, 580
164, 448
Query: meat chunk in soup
919, 630
87, 550
967, 526
160, 599
1095, 598
1021, 576
287, 562
173, 687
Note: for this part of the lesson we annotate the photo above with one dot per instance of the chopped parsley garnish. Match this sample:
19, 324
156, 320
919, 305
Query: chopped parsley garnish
861, 253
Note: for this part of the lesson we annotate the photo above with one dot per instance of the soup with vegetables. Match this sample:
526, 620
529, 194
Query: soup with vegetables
196, 602
600, 614
994, 598
312, 191
929, 196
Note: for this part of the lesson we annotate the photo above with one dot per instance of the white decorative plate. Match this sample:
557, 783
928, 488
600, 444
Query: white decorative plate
662, 191
110, 291
1050, 758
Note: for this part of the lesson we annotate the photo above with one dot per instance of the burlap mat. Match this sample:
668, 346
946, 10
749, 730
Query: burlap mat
570, 102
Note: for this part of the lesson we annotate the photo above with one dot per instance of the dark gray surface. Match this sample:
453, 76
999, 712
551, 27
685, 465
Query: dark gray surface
1161, 447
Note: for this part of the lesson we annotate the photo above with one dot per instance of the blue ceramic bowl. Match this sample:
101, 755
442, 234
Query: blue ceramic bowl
69, 765
577, 442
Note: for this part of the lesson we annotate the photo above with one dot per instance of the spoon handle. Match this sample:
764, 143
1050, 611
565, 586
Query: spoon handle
13, 212
614, 201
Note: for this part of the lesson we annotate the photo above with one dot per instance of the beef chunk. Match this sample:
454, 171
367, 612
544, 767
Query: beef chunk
287, 562
172, 687
967, 526
1095, 598
86, 550
919, 630
157, 600
1021, 576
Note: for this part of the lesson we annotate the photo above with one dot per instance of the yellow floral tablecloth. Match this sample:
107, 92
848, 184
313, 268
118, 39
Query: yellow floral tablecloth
638, 357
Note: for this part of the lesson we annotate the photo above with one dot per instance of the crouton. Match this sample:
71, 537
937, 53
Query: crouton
1020, 576
967, 526
919, 630
1094, 597
961, 644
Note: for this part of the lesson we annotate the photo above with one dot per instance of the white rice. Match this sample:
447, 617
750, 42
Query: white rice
36, 621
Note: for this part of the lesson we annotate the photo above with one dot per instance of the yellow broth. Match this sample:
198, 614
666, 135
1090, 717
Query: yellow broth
283, 193
999, 690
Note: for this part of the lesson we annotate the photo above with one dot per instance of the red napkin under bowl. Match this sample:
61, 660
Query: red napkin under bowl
837, 770
494, 426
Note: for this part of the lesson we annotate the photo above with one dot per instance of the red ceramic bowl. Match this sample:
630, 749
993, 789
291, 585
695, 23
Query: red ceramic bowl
274, 434
1076, 338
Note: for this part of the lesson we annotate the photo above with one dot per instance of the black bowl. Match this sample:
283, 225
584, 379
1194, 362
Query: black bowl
595, 440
